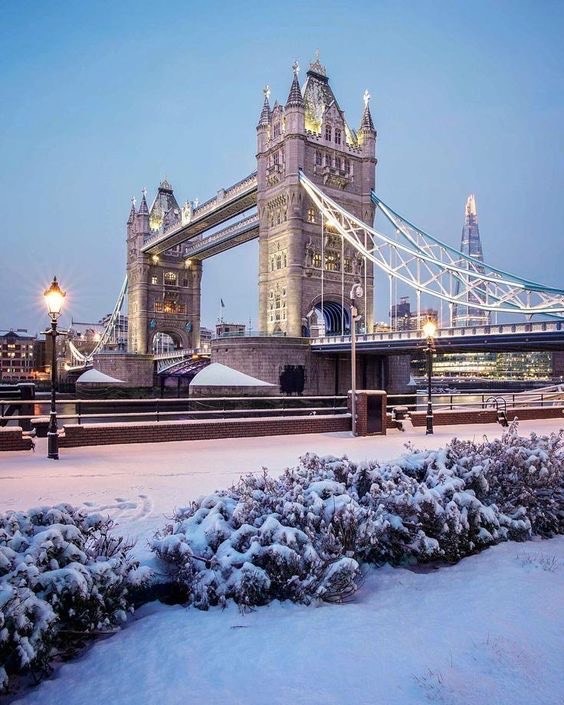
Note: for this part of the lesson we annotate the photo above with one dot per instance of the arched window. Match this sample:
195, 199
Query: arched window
170, 279
337, 136
311, 215
317, 260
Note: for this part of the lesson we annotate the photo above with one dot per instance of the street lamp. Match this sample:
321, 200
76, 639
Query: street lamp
54, 297
429, 330
357, 292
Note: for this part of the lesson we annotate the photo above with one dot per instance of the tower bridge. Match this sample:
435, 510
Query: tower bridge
311, 204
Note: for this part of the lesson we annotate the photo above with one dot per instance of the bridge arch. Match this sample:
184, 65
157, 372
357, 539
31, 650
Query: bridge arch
332, 313
168, 339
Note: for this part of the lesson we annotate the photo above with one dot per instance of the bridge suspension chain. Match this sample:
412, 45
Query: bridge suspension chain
84, 359
430, 267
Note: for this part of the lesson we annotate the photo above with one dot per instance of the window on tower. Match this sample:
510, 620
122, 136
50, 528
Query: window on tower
316, 260
318, 158
311, 215
276, 130
328, 133
338, 163
170, 279
337, 136
332, 263
154, 279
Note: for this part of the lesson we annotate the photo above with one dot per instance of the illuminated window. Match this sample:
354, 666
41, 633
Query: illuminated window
170, 279
337, 136
154, 280
332, 263
328, 133
317, 260
311, 215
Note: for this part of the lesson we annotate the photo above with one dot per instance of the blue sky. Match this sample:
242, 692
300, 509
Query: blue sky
100, 99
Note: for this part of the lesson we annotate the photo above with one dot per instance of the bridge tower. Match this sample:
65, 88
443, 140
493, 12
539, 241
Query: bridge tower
163, 291
306, 271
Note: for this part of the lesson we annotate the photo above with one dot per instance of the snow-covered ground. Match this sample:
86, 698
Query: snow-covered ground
488, 630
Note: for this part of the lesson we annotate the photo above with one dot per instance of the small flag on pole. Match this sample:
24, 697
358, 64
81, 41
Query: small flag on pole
222, 304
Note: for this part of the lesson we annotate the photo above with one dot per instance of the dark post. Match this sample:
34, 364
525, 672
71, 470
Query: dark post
429, 416
429, 330
54, 297
52, 431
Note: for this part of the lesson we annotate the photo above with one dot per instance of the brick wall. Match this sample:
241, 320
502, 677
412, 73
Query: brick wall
107, 434
12, 439
446, 418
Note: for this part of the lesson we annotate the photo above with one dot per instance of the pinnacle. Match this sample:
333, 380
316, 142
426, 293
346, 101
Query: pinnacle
132, 212
143, 208
265, 113
295, 97
366, 122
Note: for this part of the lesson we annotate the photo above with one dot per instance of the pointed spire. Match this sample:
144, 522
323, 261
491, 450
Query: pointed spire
265, 113
317, 68
471, 212
295, 97
366, 122
132, 212
143, 208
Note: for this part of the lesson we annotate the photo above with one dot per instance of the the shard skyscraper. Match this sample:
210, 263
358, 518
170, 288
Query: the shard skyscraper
464, 313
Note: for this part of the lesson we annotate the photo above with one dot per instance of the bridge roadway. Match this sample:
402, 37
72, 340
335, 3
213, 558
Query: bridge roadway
508, 337
227, 204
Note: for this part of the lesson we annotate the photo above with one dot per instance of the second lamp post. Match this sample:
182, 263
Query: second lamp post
429, 330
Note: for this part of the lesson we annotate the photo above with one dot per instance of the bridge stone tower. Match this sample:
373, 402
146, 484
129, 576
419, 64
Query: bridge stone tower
297, 263
163, 291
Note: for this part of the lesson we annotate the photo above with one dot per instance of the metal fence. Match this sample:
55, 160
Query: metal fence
131, 410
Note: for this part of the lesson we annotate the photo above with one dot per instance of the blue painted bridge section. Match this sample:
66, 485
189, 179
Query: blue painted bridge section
509, 337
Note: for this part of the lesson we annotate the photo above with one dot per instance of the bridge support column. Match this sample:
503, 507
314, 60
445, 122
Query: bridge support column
397, 371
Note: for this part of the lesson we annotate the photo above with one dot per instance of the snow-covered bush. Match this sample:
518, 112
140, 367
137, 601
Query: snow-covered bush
303, 535
62, 575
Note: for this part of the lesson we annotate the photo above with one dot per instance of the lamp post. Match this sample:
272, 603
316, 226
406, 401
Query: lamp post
54, 297
357, 292
429, 329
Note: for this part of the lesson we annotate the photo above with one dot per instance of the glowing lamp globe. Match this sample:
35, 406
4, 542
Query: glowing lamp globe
54, 298
429, 329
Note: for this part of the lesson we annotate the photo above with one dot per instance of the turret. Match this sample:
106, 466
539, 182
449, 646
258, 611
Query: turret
263, 127
367, 132
131, 218
295, 106
142, 218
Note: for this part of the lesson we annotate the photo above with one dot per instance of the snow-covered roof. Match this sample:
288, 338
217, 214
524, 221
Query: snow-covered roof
218, 375
97, 377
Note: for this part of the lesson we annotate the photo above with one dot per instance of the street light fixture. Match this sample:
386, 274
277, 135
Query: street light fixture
54, 297
429, 330
357, 292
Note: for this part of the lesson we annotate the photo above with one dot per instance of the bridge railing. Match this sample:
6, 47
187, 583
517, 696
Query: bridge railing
184, 409
246, 184
162, 409
441, 333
